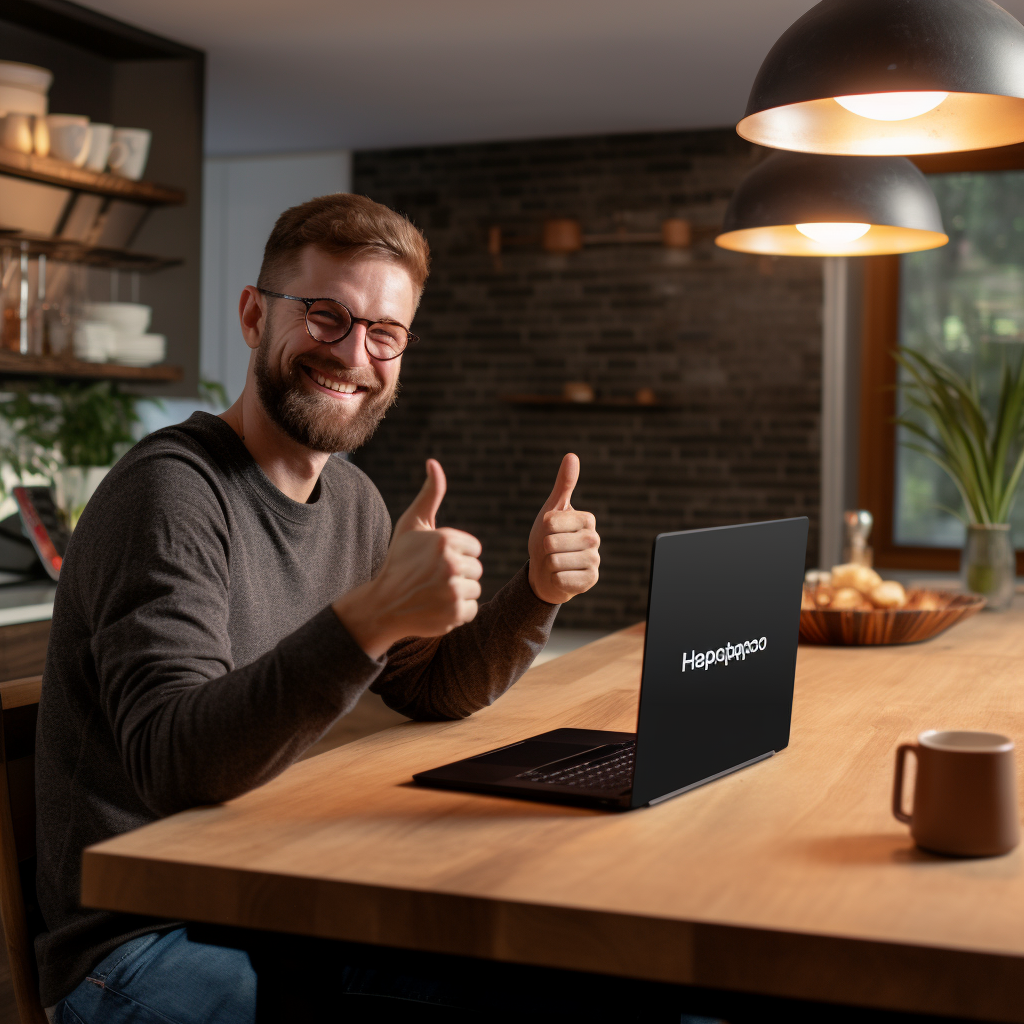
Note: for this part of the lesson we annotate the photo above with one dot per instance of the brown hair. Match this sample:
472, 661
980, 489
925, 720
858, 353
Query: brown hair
347, 225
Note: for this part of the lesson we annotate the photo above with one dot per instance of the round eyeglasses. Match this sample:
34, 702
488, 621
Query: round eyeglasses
329, 321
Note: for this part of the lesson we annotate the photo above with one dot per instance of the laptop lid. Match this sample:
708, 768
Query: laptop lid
723, 621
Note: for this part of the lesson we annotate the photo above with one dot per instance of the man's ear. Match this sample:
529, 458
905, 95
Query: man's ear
251, 316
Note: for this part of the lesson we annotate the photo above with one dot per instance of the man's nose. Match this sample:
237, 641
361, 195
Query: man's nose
351, 350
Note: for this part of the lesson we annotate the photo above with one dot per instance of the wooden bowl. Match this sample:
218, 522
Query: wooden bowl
885, 626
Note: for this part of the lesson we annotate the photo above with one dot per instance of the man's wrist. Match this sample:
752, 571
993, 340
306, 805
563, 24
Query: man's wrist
357, 612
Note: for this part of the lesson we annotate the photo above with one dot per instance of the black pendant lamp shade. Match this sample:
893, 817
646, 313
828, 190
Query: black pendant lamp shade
844, 206
967, 54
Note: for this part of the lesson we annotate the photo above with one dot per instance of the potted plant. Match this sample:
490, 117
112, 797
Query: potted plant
982, 451
70, 434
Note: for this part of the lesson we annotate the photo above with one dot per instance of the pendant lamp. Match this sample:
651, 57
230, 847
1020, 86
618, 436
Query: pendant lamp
889, 77
805, 204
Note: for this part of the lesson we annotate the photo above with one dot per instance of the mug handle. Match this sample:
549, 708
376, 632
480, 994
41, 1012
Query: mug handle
897, 784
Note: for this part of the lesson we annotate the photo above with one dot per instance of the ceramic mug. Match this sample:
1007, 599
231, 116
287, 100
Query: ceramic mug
69, 137
41, 136
129, 151
17, 133
100, 138
965, 795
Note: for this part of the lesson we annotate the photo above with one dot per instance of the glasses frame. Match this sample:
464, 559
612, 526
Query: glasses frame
410, 338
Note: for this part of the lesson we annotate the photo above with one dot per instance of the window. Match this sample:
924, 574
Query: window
964, 302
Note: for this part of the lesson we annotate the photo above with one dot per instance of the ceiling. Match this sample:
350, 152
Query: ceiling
294, 75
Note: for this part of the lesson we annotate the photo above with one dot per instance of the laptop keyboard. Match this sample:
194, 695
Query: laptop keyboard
613, 772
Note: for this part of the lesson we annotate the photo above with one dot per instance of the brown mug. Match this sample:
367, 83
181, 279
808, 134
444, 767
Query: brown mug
965, 796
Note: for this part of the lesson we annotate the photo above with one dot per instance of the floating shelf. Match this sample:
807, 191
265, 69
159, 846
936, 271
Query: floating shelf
59, 172
66, 251
598, 403
13, 364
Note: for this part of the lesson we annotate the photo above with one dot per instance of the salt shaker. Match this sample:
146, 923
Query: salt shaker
858, 523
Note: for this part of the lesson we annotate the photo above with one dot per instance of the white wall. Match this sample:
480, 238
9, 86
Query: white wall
242, 197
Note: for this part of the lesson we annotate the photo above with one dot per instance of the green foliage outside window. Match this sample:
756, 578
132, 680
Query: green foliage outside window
961, 309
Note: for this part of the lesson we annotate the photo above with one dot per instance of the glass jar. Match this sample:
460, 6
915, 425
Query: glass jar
988, 564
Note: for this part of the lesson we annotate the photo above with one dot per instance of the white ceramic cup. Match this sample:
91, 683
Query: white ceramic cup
100, 138
69, 137
129, 152
17, 133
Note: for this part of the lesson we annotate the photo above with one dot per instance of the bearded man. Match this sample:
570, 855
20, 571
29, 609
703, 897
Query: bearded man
234, 587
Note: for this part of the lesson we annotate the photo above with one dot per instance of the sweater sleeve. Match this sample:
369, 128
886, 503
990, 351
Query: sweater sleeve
454, 675
189, 727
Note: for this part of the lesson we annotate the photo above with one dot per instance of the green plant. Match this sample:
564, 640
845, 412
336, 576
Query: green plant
49, 426
981, 450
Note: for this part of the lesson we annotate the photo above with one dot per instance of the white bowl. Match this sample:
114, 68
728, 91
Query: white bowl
28, 76
16, 100
131, 318
139, 350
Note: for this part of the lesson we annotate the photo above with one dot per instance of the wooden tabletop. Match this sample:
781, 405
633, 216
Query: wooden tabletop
790, 878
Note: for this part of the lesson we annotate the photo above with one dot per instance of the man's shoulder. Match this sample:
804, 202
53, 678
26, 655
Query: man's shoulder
348, 484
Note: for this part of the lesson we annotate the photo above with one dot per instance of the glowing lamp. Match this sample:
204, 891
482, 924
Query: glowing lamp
891, 77
806, 204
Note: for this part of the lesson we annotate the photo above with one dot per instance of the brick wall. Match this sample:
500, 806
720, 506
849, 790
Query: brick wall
731, 342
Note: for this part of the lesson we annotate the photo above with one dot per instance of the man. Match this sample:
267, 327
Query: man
233, 588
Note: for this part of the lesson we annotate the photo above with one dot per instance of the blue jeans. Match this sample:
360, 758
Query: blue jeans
163, 978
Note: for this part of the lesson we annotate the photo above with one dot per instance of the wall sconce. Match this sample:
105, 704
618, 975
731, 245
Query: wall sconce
564, 235
888, 77
806, 204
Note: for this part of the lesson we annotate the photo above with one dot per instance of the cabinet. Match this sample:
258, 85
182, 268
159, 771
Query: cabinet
139, 241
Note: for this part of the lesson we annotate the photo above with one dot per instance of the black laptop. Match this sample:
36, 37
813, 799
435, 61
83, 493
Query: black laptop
716, 694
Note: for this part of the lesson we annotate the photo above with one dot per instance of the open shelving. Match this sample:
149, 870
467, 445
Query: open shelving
12, 364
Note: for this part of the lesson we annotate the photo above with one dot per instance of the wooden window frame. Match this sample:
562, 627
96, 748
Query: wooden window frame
880, 337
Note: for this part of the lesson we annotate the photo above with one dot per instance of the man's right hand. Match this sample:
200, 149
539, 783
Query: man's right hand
429, 583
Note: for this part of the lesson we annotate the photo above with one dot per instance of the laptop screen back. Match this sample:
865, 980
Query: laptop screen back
720, 654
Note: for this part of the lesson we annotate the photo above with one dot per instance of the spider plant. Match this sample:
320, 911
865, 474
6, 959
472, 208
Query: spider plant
982, 451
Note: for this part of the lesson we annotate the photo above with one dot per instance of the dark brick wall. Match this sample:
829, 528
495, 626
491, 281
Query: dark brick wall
732, 341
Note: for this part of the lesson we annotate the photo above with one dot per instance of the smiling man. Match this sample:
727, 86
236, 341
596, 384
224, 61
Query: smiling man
234, 587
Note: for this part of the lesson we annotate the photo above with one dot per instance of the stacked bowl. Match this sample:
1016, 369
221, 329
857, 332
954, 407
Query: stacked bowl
116, 331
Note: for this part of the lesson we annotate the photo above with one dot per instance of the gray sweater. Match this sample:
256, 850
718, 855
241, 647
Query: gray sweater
194, 655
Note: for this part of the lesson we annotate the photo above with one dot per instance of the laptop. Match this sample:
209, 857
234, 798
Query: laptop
716, 692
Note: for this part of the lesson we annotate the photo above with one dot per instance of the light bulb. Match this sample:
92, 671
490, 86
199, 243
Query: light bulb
891, 106
833, 232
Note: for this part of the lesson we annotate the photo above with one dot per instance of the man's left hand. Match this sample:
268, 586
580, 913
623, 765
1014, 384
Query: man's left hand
563, 542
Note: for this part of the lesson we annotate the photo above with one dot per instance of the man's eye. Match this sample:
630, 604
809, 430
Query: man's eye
325, 317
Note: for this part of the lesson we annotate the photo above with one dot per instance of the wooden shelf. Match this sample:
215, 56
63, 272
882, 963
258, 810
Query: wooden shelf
67, 251
598, 403
59, 172
12, 364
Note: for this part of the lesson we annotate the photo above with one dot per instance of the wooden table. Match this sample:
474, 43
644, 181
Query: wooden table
789, 879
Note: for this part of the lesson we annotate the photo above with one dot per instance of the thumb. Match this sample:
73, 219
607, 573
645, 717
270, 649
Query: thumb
420, 514
561, 494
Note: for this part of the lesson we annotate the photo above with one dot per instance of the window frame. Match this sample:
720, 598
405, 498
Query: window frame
879, 337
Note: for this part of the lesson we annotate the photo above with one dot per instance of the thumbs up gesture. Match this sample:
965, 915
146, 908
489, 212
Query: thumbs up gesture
429, 583
563, 542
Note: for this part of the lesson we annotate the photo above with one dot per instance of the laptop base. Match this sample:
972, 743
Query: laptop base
500, 772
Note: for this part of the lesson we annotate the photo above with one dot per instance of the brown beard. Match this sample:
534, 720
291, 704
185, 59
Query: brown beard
311, 419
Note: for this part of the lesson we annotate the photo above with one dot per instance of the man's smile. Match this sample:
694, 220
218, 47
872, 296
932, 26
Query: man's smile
343, 389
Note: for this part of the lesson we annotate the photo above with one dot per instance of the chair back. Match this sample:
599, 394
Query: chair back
19, 912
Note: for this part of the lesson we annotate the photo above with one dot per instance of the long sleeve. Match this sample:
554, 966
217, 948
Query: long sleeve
472, 666
189, 726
